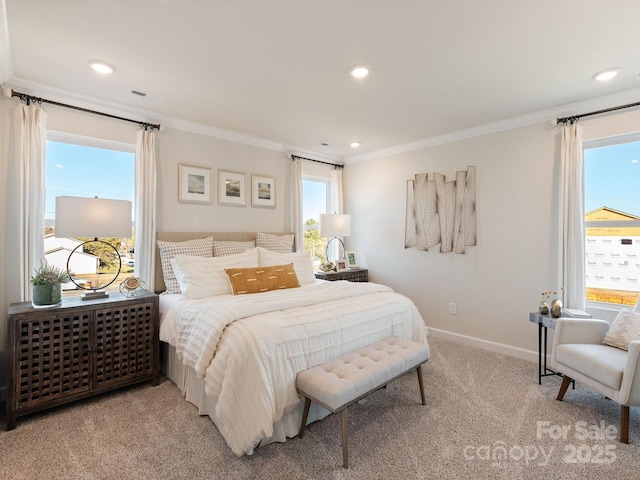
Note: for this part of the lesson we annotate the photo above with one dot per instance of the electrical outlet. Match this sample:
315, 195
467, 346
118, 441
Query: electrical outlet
452, 309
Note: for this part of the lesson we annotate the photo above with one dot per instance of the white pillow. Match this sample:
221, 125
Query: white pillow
205, 277
201, 247
302, 263
275, 243
624, 329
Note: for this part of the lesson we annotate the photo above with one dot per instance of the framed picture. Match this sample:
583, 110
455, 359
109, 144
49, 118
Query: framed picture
194, 184
341, 265
263, 191
351, 260
232, 188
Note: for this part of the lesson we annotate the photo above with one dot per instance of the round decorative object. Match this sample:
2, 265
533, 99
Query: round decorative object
556, 308
543, 308
327, 267
131, 286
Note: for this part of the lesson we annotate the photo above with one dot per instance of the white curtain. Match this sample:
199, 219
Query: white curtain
296, 203
572, 270
145, 220
29, 151
336, 206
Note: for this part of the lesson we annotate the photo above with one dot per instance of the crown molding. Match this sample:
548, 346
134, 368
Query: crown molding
549, 115
65, 96
542, 116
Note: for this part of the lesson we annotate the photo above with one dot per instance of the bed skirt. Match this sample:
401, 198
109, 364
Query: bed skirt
192, 389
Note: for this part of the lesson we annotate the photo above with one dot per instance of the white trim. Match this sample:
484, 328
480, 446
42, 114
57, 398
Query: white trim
63, 137
6, 64
549, 115
516, 352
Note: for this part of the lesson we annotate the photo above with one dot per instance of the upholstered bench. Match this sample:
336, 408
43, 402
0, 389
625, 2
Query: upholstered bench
338, 383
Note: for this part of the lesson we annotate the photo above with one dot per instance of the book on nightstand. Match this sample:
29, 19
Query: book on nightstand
574, 313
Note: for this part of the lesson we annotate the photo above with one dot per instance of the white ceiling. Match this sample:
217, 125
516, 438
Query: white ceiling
276, 71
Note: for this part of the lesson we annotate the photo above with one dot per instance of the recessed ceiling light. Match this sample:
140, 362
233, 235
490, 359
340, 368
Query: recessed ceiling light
101, 67
359, 71
354, 144
604, 75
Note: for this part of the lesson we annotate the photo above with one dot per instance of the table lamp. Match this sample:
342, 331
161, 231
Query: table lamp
334, 225
82, 217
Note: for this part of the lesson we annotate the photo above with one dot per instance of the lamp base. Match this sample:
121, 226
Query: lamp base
94, 295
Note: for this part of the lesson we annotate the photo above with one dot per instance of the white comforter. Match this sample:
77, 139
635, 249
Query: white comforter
249, 348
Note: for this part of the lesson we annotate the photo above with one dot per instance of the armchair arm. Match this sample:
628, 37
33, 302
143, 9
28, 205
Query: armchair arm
584, 330
629, 393
574, 330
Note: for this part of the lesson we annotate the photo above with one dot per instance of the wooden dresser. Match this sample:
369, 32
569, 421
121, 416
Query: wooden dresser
79, 349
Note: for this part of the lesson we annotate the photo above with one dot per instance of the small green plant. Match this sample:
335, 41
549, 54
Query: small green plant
49, 275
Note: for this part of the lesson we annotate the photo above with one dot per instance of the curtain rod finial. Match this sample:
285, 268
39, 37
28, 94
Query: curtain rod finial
554, 121
7, 92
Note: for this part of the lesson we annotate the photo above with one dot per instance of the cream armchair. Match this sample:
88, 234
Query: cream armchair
578, 353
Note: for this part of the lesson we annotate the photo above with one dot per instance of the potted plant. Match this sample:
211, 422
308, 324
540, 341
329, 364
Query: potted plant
47, 284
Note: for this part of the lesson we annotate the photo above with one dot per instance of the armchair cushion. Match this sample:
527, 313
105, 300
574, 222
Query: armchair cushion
624, 329
602, 363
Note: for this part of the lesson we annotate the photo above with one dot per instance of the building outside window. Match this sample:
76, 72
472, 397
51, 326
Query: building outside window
612, 220
87, 168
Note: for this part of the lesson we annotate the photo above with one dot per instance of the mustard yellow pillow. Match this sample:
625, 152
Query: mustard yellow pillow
262, 279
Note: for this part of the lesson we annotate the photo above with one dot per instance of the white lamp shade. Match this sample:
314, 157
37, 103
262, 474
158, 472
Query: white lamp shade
92, 217
335, 225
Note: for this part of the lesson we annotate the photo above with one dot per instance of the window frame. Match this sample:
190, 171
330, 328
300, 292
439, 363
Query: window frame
588, 145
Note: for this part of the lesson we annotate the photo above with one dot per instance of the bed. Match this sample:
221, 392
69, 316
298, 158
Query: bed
236, 356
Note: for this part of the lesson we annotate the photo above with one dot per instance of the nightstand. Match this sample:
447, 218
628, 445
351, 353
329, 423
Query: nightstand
78, 349
351, 275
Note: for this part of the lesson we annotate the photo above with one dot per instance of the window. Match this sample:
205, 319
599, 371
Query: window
612, 220
315, 200
80, 168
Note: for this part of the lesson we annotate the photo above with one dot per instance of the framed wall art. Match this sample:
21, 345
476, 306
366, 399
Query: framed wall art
263, 191
232, 188
194, 184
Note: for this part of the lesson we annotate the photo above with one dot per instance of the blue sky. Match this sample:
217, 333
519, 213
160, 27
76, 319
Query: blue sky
612, 178
314, 199
79, 171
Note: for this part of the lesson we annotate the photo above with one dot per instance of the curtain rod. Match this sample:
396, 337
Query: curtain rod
574, 118
317, 161
30, 98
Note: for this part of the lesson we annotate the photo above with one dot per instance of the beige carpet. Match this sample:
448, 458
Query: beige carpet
479, 405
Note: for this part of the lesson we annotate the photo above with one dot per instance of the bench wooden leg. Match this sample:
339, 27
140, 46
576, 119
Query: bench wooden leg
566, 381
345, 438
421, 382
624, 424
307, 404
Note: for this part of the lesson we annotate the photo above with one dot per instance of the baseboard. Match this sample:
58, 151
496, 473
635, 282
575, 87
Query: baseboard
517, 352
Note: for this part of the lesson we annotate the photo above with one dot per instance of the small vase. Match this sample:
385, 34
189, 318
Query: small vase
543, 308
556, 308
47, 295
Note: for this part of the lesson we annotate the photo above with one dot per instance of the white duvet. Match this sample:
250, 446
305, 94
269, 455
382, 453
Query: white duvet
249, 348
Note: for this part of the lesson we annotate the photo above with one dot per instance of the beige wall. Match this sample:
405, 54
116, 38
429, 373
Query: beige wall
498, 282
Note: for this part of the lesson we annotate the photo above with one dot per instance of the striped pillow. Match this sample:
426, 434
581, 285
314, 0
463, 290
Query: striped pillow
200, 247
275, 243
220, 249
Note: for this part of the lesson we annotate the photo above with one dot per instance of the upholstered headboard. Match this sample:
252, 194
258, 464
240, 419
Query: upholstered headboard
183, 236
